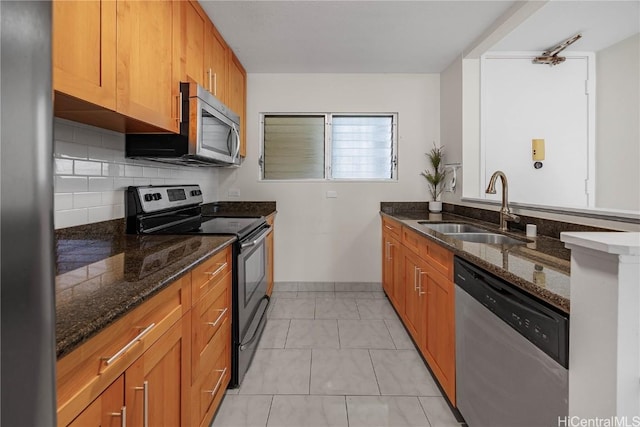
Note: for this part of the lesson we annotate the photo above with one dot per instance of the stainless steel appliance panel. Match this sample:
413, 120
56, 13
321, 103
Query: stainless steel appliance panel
502, 378
26, 216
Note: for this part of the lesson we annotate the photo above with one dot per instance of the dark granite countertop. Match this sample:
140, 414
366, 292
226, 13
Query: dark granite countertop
102, 276
102, 272
540, 267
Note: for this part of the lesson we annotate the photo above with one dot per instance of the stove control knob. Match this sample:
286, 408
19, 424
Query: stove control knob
157, 196
148, 197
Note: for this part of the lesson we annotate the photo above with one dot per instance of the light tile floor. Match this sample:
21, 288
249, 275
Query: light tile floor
334, 355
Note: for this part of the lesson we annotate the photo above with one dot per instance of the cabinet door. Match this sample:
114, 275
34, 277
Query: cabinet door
195, 25
216, 64
392, 271
155, 381
414, 296
440, 323
106, 410
84, 50
148, 66
237, 87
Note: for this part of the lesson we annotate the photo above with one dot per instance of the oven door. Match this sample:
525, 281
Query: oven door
252, 300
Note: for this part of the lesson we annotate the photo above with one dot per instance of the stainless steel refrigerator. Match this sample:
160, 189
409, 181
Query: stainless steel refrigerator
27, 352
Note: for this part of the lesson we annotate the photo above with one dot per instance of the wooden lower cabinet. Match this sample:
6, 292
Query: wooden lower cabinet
155, 381
427, 304
107, 410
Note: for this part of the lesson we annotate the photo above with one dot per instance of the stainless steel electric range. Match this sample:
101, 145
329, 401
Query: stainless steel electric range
177, 209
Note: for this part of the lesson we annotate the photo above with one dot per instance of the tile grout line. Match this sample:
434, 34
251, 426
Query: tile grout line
270, 407
424, 411
373, 366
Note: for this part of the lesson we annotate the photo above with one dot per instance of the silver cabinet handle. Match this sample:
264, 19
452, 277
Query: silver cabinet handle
388, 227
386, 250
210, 84
390, 246
415, 279
122, 414
215, 389
110, 360
215, 84
145, 407
179, 97
218, 270
420, 284
214, 324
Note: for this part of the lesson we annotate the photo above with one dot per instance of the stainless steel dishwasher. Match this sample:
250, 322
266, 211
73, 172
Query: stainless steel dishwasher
511, 354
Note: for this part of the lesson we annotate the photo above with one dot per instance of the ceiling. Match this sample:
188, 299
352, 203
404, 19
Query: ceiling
351, 36
601, 23
418, 36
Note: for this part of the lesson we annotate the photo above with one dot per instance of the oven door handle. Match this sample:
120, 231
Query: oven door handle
256, 332
259, 239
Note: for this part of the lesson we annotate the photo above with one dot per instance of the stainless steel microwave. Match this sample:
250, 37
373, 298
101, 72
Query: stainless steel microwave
209, 134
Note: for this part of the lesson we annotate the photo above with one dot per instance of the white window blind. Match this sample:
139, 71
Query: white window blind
362, 147
329, 146
294, 147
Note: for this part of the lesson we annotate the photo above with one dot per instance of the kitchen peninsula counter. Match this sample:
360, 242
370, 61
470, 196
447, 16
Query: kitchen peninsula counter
540, 267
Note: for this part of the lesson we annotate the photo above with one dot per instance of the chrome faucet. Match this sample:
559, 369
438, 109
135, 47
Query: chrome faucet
505, 213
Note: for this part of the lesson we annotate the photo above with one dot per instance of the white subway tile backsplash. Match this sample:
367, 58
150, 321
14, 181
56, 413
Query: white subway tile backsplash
63, 166
100, 213
112, 169
100, 184
83, 167
71, 184
112, 198
62, 132
62, 201
114, 141
87, 136
122, 183
149, 172
132, 171
101, 154
92, 174
70, 150
71, 217
86, 200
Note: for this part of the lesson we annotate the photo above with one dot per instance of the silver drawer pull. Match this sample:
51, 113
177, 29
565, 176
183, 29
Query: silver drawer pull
387, 227
110, 360
215, 389
123, 414
145, 407
218, 270
214, 324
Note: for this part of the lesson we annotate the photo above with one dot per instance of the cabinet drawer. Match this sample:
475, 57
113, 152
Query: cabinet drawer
210, 314
413, 241
210, 387
208, 274
85, 372
441, 259
392, 227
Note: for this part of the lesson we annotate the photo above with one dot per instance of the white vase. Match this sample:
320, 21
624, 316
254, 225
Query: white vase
435, 206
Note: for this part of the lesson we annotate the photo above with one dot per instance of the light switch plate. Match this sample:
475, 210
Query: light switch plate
234, 192
332, 194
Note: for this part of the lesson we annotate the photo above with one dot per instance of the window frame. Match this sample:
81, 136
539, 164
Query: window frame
328, 147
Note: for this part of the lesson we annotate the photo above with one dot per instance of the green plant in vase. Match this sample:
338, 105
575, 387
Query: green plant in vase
435, 177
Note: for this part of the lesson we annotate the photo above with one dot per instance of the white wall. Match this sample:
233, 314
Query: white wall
618, 125
321, 239
91, 174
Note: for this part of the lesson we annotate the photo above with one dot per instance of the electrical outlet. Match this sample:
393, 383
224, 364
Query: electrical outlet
332, 194
234, 192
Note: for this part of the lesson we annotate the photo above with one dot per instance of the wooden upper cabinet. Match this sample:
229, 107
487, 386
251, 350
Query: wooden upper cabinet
216, 63
84, 50
237, 97
148, 61
195, 24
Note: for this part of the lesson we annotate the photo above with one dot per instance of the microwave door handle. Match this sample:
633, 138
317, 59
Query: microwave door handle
237, 150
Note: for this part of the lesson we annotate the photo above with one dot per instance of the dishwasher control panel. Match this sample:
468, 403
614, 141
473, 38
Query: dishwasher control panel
544, 327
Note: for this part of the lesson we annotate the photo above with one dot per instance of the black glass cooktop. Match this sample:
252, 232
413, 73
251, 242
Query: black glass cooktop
226, 225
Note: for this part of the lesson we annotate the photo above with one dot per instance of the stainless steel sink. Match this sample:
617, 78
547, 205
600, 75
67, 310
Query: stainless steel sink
486, 237
447, 228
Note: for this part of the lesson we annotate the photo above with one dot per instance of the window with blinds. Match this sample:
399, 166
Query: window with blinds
329, 146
